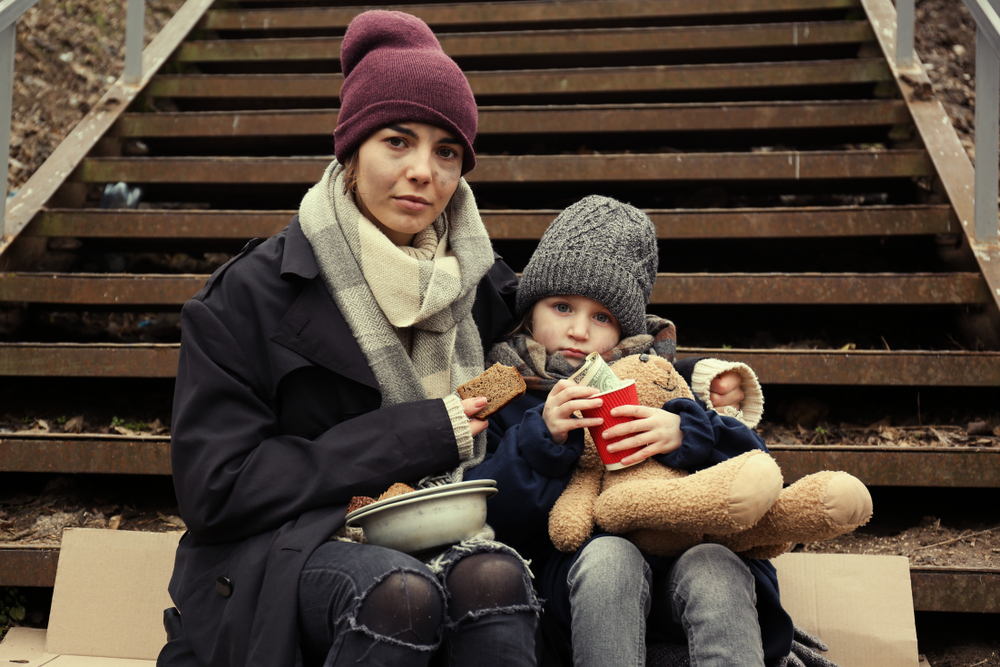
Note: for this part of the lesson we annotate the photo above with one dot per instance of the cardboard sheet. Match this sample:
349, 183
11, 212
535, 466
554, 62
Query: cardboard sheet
111, 590
861, 606
110, 593
23, 644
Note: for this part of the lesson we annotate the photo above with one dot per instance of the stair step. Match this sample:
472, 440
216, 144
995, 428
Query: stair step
973, 590
864, 367
588, 119
93, 360
548, 81
802, 367
966, 467
776, 165
670, 288
977, 467
28, 566
498, 14
94, 454
518, 225
168, 224
934, 588
552, 42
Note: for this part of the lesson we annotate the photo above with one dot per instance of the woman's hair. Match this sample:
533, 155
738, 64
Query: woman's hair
351, 174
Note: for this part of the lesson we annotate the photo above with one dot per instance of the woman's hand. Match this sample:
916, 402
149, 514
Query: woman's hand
566, 398
471, 407
726, 390
656, 431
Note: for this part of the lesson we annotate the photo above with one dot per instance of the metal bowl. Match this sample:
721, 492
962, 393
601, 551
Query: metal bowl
424, 522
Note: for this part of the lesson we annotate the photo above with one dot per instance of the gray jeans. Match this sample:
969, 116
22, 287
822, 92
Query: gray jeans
361, 604
706, 599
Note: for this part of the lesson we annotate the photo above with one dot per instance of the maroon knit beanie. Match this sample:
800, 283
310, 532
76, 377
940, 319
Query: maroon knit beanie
395, 70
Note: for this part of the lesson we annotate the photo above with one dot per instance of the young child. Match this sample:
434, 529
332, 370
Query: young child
585, 290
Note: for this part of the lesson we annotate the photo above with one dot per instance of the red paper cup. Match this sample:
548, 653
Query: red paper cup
625, 395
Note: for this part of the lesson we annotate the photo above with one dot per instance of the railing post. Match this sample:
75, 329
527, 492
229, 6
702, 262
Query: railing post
10, 12
134, 21
987, 138
8, 40
987, 16
905, 17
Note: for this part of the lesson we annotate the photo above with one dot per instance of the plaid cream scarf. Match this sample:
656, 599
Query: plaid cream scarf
541, 371
422, 295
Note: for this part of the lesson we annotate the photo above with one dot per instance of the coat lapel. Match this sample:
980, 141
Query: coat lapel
314, 328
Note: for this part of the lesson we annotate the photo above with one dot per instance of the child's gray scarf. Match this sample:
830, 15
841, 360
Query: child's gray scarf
381, 288
541, 370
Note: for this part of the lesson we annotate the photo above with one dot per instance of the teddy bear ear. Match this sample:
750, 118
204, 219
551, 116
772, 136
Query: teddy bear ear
659, 361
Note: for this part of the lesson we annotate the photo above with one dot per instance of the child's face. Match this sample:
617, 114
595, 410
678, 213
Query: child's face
575, 326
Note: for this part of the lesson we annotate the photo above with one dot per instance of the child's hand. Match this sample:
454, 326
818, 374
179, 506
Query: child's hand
656, 431
566, 398
726, 390
471, 407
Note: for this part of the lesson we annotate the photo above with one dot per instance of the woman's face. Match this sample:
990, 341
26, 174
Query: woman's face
574, 325
407, 173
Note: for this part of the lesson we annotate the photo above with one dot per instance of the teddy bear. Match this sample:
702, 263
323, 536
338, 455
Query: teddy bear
740, 503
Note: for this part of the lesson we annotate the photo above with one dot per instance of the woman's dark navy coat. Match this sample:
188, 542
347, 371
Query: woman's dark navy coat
272, 388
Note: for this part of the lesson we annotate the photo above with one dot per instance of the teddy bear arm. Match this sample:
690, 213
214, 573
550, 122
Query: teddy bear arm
726, 498
817, 507
571, 520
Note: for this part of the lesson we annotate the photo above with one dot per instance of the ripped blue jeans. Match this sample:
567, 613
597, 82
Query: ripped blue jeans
362, 604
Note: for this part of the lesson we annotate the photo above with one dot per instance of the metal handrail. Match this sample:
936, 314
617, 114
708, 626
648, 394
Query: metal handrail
10, 12
987, 16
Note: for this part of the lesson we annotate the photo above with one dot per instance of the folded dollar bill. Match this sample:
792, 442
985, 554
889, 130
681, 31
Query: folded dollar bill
596, 373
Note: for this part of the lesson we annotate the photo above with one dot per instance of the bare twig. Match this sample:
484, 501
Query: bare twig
16, 536
959, 538
961, 347
945, 440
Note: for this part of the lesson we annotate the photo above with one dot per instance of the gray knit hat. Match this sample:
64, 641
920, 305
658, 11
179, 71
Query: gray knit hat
598, 248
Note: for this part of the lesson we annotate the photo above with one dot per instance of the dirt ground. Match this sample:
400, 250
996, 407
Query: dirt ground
68, 53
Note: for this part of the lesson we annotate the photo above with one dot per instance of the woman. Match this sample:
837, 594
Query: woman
320, 365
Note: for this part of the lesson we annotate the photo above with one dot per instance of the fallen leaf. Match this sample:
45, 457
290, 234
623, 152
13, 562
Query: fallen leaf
115, 522
171, 520
74, 425
39, 426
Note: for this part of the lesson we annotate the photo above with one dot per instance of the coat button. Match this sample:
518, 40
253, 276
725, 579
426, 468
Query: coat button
224, 586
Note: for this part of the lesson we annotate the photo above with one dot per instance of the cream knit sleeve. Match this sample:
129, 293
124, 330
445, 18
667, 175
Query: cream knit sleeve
459, 424
750, 410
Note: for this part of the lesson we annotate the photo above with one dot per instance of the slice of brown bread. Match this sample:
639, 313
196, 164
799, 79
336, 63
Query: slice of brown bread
498, 383
396, 489
357, 502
